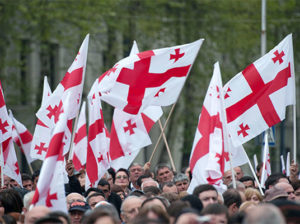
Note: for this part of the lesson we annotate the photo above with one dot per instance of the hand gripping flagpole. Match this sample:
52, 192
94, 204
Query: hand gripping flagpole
162, 131
21, 142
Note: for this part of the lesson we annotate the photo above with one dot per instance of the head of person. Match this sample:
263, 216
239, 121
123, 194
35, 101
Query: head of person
296, 186
288, 189
135, 171
168, 187
148, 183
27, 181
35, 213
156, 200
206, 193
194, 202
10, 201
181, 181
130, 208
105, 213
104, 186
217, 213
94, 198
170, 196
73, 197
122, 178
152, 191
60, 215
275, 178
163, 173
238, 172
263, 214
154, 213
252, 194
119, 191
77, 210
247, 206
247, 181
275, 194
142, 178
227, 177
232, 200
190, 215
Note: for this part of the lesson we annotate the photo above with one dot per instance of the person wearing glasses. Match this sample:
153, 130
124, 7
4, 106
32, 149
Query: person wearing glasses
122, 180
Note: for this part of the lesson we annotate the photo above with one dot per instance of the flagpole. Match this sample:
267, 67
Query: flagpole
295, 128
2, 166
70, 157
160, 136
264, 160
21, 142
167, 146
255, 161
255, 176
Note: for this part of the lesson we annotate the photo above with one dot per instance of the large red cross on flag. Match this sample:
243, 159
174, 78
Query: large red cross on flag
72, 84
149, 78
256, 98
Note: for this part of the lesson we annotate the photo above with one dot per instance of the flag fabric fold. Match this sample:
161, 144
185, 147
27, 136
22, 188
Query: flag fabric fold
257, 97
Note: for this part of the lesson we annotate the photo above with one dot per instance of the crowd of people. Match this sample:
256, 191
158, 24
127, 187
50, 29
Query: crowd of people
137, 195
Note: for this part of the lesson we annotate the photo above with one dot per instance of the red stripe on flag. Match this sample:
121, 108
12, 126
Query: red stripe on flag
115, 148
72, 79
40, 123
148, 122
56, 145
26, 137
77, 164
81, 134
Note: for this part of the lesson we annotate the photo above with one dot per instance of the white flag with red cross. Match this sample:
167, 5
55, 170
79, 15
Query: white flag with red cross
256, 98
129, 133
150, 78
80, 141
22, 137
97, 160
42, 132
50, 190
5, 126
207, 160
72, 84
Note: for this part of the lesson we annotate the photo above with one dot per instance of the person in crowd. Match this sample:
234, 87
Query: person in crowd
217, 213
182, 182
265, 214
248, 181
142, 178
206, 193
104, 186
170, 196
73, 183
122, 180
232, 200
152, 191
35, 213
190, 215
227, 177
61, 215
156, 200
130, 208
289, 209
296, 186
275, 194
104, 214
118, 190
163, 173
153, 213
135, 171
110, 177
238, 172
288, 189
148, 183
275, 178
94, 198
10, 201
175, 208
247, 206
76, 211
253, 195
72, 197
168, 187
27, 181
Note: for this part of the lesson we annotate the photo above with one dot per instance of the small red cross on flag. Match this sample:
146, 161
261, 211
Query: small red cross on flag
257, 97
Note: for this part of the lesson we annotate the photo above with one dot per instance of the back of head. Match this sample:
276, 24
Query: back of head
273, 179
194, 202
11, 201
203, 187
215, 209
265, 214
106, 210
232, 196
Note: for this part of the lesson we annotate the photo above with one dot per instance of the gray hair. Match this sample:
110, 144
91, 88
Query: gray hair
180, 177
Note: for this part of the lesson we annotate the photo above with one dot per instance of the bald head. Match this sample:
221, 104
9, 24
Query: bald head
35, 213
288, 189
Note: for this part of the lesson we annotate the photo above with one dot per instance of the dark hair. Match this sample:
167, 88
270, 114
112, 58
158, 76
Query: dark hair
194, 201
273, 179
102, 211
204, 187
26, 176
232, 196
176, 207
102, 182
215, 209
247, 178
112, 172
152, 189
122, 170
162, 215
143, 176
164, 201
35, 174
11, 201
95, 195
92, 189
48, 219
60, 214
168, 184
296, 184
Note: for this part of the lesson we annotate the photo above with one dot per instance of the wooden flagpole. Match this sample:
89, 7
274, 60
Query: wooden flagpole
264, 159
294, 132
167, 145
160, 136
21, 142
255, 176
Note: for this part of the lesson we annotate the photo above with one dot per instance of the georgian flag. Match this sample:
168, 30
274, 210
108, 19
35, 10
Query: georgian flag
80, 141
257, 97
5, 125
150, 78
50, 190
72, 84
